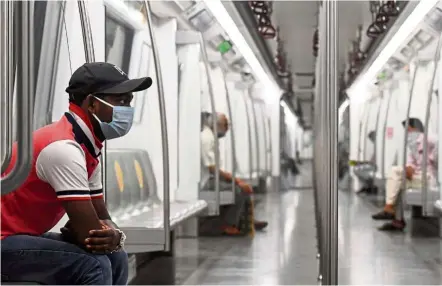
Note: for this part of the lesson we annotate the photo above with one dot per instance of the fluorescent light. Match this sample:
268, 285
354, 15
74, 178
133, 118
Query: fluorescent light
409, 25
222, 16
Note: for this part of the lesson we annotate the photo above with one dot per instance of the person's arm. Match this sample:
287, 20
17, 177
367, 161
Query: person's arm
208, 156
97, 197
433, 153
62, 165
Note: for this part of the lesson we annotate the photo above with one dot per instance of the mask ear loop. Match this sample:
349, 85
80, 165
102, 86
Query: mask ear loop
104, 102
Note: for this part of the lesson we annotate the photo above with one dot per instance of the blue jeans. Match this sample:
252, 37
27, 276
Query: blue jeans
47, 259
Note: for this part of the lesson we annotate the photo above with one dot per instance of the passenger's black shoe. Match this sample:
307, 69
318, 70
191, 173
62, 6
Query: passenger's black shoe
395, 225
383, 215
260, 225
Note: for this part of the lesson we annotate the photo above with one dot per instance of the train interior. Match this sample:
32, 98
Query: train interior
319, 97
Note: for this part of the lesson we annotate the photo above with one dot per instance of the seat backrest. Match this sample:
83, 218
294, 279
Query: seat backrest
112, 190
130, 178
143, 159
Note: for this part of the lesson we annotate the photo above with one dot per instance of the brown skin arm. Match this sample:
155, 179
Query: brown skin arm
228, 178
409, 172
100, 239
223, 175
82, 219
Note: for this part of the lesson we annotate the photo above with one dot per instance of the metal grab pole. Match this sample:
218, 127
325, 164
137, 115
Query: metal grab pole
9, 60
4, 55
384, 135
232, 133
214, 122
89, 52
24, 42
249, 134
256, 136
328, 130
399, 203
367, 120
427, 121
164, 137
359, 155
265, 139
333, 123
375, 149
86, 32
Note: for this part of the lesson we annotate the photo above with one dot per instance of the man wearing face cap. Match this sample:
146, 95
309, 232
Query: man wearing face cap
413, 172
230, 214
66, 178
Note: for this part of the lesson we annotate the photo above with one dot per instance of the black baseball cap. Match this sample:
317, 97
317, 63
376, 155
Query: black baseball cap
104, 78
414, 123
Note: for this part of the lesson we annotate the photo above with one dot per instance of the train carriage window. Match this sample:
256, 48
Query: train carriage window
39, 21
47, 36
118, 41
139, 97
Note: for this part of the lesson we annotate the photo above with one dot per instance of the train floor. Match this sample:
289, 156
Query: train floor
282, 254
285, 253
368, 256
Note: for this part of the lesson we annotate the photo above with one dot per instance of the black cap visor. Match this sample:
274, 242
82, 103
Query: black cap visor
131, 85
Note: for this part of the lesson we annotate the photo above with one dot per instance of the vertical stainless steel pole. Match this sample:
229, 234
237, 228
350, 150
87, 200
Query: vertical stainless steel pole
364, 139
255, 122
249, 135
333, 158
426, 123
384, 135
9, 64
214, 123
375, 148
232, 132
400, 202
24, 43
321, 148
164, 137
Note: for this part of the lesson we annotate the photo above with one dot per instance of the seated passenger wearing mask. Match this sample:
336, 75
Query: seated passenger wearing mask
66, 178
233, 213
413, 173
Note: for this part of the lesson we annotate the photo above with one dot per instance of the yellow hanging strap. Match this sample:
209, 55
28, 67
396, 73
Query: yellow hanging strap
251, 218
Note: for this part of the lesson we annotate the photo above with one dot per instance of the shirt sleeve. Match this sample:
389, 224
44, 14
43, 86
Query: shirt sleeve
410, 158
433, 152
208, 148
95, 183
62, 164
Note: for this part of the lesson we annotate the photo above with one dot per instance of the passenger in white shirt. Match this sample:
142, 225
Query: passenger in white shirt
230, 214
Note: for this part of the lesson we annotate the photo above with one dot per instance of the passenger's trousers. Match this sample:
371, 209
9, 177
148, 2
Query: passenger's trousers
231, 214
394, 184
49, 260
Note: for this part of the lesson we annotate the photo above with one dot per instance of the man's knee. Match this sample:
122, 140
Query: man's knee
396, 172
120, 267
98, 271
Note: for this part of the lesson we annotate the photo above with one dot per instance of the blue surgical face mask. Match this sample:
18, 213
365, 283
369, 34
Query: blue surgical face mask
122, 119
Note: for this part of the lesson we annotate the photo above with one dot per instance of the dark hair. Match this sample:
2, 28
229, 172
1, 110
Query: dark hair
204, 117
414, 123
372, 135
77, 99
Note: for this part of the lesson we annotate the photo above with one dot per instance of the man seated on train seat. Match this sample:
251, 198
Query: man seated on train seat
66, 178
232, 215
413, 173
366, 178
